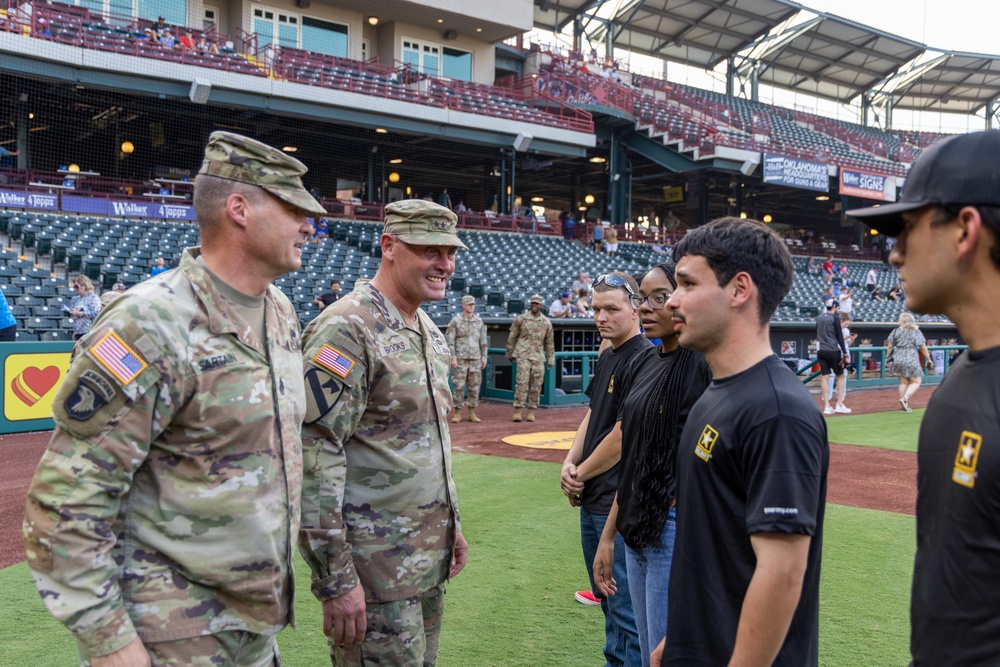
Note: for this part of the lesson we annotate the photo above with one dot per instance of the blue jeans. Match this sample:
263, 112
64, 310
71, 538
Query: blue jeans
648, 577
621, 645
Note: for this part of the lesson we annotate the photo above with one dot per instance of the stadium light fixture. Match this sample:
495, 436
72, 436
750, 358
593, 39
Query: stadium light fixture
588, 199
381, 130
372, 20
396, 160
394, 177
767, 218
409, 191
743, 215
73, 168
874, 232
479, 29
597, 159
128, 147
537, 199
822, 198
290, 149
583, 208
440, 20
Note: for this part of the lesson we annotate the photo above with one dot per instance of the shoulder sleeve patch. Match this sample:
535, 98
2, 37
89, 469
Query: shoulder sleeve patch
118, 358
323, 391
334, 361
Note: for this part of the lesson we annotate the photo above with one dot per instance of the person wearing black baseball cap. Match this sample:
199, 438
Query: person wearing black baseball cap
948, 252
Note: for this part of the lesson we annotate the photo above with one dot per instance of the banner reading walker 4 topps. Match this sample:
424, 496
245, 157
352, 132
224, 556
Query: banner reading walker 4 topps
31, 373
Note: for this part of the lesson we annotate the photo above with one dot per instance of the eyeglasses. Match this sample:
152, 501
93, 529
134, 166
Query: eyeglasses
611, 280
656, 300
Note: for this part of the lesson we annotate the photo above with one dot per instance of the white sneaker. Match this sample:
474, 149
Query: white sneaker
843, 409
828, 410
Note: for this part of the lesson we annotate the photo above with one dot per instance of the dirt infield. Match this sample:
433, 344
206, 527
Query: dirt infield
859, 476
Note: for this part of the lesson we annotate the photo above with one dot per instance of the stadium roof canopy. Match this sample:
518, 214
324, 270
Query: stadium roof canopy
813, 53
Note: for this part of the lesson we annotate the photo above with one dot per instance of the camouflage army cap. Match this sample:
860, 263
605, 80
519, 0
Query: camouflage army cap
468, 299
537, 298
422, 222
238, 158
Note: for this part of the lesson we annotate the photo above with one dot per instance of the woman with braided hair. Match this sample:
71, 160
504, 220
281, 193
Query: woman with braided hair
660, 386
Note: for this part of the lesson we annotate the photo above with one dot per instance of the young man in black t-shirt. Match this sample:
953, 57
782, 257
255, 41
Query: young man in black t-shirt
948, 253
752, 465
590, 473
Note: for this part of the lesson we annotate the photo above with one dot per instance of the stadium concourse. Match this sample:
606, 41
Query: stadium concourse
859, 476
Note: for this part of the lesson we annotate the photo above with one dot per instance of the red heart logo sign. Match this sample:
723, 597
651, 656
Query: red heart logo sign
33, 383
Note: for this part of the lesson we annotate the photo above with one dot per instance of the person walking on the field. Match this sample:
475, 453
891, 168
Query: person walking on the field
531, 344
467, 342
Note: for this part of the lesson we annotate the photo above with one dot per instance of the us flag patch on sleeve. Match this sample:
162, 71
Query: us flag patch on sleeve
334, 361
121, 360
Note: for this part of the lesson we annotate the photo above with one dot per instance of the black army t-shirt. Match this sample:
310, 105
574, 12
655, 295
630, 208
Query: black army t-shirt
955, 607
599, 492
637, 382
753, 459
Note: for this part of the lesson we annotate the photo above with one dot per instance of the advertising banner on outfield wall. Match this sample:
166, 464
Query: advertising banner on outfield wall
796, 173
31, 374
127, 209
32, 200
866, 184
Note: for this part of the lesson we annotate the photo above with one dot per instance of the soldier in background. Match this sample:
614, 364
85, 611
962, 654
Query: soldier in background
116, 291
467, 342
531, 345
380, 526
159, 524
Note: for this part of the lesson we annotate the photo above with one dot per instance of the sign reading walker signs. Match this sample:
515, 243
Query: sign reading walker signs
796, 173
32, 200
127, 209
868, 185
31, 374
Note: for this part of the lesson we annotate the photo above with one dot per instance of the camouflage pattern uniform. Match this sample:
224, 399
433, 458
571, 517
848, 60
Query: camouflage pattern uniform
467, 343
531, 345
378, 502
167, 502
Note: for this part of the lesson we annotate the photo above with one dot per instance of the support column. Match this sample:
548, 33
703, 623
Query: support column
617, 183
23, 136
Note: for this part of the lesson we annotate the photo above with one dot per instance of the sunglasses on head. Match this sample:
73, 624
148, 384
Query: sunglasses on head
611, 280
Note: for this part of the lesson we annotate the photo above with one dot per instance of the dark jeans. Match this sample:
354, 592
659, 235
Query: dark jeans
8, 334
621, 635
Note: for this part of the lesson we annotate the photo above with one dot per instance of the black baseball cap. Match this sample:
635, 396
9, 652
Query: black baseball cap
963, 170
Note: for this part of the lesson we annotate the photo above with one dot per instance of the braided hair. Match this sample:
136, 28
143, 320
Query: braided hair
654, 485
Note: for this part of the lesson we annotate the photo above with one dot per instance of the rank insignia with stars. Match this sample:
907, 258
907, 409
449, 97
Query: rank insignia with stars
705, 443
966, 459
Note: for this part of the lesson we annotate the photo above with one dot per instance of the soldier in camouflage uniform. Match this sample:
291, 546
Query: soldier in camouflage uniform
467, 343
531, 345
161, 521
380, 522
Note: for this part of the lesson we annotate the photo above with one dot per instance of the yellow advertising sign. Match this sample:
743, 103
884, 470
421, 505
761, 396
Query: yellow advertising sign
30, 382
542, 440
673, 194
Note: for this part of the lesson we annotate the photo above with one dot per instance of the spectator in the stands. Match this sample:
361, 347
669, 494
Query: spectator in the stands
828, 269
897, 293
598, 237
42, 29
167, 40
322, 231
187, 41
846, 302
160, 267
116, 291
568, 225
461, 206
583, 308
160, 26
812, 267
561, 307
582, 282
611, 241
324, 300
871, 282
84, 307
206, 46
150, 35
444, 199
8, 325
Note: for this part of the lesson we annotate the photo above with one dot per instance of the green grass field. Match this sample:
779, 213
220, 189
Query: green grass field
886, 430
513, 605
